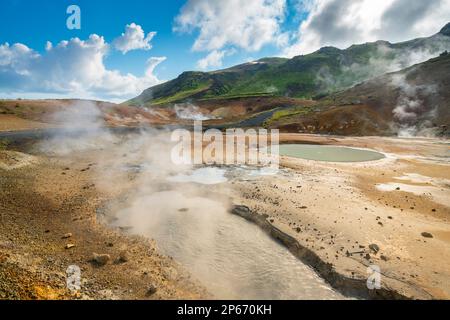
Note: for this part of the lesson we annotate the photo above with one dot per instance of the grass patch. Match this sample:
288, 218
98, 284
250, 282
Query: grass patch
287, 113
179, 96
237, 96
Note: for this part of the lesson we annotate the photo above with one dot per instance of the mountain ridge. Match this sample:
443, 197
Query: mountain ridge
309, 76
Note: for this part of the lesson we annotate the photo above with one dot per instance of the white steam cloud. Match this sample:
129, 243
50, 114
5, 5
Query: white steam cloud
384, 59
188, 111
81, 127
410, 113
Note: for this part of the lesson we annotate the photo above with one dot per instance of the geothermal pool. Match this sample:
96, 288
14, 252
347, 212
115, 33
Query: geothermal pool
329, 153
231, 257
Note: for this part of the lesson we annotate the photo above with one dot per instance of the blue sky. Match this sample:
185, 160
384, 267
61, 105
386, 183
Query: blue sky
190, 35
36, 22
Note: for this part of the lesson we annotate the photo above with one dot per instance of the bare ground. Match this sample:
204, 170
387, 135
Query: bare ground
334, 210
337, 211
50, 198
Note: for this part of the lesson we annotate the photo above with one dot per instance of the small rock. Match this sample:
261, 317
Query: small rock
427, 235
384, 258
375, 248
123, 257
101, 259
183, 210
367, 257
70, 246
242, 211
398, 189
67, 236
151, 290
170, 274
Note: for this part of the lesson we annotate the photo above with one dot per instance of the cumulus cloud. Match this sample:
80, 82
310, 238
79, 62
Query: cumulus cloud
214, 59
71, 68
341, 23
248, 25
134, 38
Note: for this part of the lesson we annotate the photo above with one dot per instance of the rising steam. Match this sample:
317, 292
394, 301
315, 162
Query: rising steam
383, 59
81, 127
189, 111
411, 112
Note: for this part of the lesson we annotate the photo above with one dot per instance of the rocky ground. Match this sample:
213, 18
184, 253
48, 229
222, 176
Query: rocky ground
48, 222
393, 213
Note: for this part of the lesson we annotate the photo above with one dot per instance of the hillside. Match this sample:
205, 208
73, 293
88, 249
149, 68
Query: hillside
412, 101
308, 76
36, 114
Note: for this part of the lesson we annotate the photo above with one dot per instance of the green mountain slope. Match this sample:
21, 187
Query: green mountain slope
308, 76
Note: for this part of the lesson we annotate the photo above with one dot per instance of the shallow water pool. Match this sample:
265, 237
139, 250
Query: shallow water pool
232, 258
329, 153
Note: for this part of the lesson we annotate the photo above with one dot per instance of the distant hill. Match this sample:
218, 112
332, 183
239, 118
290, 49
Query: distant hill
43, 110
308, 76
24, 114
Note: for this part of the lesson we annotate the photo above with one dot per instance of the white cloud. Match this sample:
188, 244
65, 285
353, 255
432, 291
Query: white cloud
71, 68
341, 23
133, 39
16, 56
214, 59
244, 24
